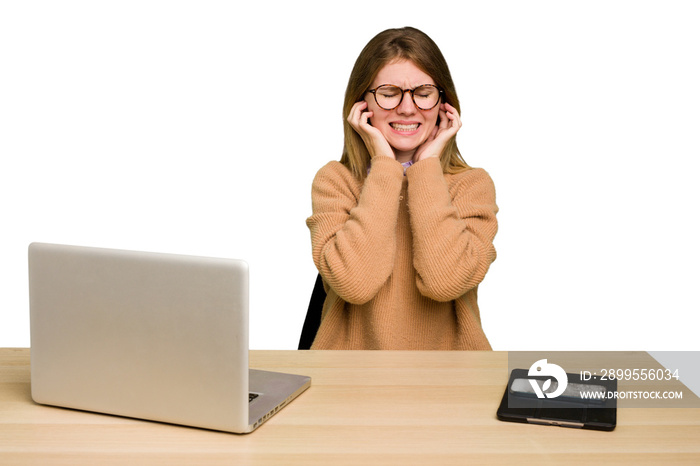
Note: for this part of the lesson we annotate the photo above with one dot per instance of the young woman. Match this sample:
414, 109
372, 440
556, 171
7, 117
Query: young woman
402, 228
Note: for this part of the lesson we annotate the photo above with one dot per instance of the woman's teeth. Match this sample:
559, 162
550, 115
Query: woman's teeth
407, 128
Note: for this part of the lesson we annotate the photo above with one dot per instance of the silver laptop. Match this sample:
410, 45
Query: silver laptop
145, 335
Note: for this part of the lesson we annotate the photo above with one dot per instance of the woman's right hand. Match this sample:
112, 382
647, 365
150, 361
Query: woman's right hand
375, 141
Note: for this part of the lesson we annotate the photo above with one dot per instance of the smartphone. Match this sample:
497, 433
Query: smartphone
520, 402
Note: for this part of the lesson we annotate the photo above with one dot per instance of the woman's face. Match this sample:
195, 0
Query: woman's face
406, 127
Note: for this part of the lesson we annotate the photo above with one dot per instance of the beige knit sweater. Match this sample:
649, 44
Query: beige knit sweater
401, 257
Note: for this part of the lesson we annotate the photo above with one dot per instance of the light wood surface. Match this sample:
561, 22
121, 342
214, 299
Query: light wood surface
363, 408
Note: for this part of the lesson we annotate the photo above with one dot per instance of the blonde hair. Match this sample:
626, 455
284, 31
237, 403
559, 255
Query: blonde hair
386, 47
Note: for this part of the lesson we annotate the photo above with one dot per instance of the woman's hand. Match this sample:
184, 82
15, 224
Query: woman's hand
441, 134
375, 141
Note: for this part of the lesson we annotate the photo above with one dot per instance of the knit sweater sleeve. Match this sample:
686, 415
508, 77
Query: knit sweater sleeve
353, 227
453, 219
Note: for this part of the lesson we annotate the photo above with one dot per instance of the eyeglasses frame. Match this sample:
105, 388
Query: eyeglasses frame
403, 93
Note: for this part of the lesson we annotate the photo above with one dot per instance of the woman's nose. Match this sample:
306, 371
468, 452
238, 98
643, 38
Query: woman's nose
406, 107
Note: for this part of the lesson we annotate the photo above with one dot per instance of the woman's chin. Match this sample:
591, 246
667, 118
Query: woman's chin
405, 147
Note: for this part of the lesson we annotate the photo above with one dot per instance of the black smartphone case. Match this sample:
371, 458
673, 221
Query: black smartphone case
563, 411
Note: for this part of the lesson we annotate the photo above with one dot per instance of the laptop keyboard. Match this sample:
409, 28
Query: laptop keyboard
252, 396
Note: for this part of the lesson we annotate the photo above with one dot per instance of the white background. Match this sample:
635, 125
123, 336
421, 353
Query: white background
196, 127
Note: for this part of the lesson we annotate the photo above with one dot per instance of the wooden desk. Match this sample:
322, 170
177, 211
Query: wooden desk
398, 408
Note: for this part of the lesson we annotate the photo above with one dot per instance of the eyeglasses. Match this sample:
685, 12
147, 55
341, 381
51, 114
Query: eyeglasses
389, 97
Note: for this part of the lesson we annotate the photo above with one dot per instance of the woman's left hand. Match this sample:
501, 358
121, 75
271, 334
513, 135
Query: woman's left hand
441, 134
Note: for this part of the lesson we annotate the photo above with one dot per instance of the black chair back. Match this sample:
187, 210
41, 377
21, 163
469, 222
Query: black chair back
313, 315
